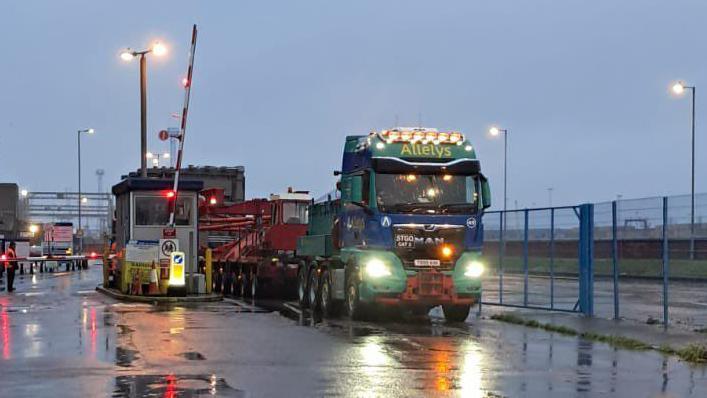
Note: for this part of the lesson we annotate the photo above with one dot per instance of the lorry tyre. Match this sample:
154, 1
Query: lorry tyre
253, 284
456, 313
326, 301
313, 292
302, 287
354, 307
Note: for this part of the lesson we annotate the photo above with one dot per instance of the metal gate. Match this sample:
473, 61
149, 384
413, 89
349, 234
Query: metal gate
540, 258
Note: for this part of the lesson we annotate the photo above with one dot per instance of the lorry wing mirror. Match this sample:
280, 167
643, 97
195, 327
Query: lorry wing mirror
485, 193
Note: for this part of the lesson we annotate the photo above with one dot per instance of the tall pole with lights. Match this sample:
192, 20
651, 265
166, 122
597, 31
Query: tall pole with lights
79, 229
127, 55
495, 131
679, 88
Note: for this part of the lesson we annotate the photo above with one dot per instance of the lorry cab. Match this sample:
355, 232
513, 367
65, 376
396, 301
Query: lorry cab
407, 229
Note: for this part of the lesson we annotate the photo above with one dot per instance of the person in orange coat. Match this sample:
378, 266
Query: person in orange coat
10, 266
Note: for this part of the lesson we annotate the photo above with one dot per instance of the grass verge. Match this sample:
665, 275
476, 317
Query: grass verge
693, 353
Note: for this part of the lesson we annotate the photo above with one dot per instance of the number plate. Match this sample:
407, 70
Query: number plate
427, 263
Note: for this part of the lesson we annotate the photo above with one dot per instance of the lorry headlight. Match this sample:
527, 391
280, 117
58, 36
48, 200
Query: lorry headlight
474, 269
376, 268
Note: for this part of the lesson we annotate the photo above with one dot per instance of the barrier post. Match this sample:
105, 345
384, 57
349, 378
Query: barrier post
586, 259
525, 258
552, 258
207, 271
502, 253
615, 257
666, 261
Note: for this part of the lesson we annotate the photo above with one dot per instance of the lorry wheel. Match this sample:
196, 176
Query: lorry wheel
242, 283
456, 313
326, 302
302, 287
354, 307
253, 285
313, 292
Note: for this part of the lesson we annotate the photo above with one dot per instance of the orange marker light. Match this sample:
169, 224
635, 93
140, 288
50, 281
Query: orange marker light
447, 251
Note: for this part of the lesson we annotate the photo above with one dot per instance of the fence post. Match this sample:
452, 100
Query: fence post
552, 258
502, 254
586, 259
615, 257
525, 258
666, 261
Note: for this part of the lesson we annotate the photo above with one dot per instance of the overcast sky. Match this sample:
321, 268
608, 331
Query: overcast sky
581, 85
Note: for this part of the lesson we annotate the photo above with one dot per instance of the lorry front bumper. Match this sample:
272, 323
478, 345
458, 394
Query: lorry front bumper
425, 288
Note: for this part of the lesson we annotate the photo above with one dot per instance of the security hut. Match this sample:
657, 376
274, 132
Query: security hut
143, 240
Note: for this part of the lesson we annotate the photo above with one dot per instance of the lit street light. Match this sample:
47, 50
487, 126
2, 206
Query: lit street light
158, 49
33, 229
78, 138
678, 89
495, 131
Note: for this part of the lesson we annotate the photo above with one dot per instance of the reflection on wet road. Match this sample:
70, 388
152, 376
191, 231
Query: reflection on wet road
61, 338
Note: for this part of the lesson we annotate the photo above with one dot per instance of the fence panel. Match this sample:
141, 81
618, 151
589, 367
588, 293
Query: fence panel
533, 261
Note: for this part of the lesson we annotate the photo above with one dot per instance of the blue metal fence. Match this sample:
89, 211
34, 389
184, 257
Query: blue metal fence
629, 252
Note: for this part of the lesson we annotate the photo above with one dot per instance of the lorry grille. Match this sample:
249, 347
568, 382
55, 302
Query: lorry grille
423, 242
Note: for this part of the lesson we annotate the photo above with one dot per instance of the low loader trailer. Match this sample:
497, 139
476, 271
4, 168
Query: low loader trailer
253, 242
403, 228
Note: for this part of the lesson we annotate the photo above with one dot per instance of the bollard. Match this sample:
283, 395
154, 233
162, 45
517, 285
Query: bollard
208, 270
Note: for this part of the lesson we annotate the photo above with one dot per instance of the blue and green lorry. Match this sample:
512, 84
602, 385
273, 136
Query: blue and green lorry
403, 228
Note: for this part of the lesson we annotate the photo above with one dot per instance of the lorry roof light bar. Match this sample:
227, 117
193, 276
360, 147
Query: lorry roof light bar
422, 135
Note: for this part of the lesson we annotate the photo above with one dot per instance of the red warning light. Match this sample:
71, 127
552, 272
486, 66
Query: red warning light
93, 255
169, 194
3, 257
213, 201
185, 82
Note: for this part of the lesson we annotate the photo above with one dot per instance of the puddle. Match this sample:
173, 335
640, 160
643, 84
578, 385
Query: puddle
193, 356
184, 386
124, 357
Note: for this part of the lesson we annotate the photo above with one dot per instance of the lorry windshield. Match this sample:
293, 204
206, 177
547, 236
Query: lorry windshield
427, 193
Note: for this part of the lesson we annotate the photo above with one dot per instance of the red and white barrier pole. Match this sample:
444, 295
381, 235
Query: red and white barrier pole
183, 126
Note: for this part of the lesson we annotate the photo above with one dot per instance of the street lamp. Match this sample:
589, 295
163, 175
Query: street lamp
78, 139
678, 89
495, 132
158, 49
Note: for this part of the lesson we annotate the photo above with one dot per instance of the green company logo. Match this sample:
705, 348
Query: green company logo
427, 150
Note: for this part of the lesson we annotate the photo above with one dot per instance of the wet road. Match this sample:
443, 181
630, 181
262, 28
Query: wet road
59, 338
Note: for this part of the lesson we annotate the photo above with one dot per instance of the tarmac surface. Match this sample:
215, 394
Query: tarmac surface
61, 338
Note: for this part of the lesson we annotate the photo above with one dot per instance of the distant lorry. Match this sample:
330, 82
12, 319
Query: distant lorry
402, 229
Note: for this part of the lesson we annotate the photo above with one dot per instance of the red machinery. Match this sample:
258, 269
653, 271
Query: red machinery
254, 241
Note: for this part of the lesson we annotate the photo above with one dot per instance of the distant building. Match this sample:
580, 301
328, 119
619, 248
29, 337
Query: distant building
9, 207
230, 179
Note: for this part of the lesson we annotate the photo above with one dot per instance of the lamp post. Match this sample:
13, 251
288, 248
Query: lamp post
495, 131
127, 55
679, 88
78, 139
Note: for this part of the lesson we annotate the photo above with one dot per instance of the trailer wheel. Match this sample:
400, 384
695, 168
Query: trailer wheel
314, 290
302, 287
326, 303
242, 282
253, 284
456, 313
354, 307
